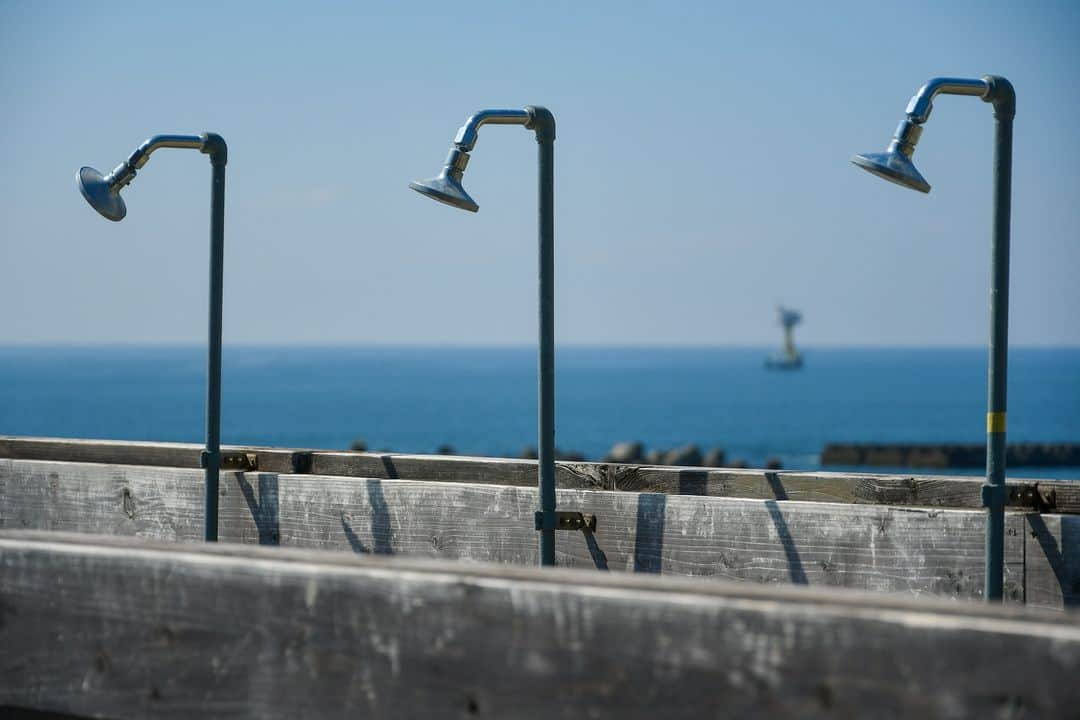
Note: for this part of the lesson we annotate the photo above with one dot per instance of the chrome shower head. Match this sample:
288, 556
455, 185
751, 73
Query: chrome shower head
103, 191
446, 186
895, 163
102, 194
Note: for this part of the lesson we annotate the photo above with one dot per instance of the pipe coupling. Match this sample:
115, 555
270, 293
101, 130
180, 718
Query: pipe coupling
906, 138
457, 161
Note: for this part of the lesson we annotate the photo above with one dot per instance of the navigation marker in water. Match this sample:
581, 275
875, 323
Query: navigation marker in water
789, 358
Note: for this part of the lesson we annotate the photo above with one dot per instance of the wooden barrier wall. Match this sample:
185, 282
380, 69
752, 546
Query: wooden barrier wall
118, 628
868, 547
922, 491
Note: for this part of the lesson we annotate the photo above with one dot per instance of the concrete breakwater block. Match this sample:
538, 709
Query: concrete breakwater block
949, 455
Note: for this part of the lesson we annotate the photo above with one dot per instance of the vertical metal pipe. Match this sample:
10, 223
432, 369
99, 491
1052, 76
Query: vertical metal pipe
546, 379
213, 365
994, 497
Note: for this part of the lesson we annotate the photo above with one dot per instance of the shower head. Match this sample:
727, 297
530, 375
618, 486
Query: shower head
103, 191
895, 163
893, 167
102, 195
446, 186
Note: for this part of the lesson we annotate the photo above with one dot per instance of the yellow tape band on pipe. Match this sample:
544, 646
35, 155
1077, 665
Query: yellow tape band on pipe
995, 422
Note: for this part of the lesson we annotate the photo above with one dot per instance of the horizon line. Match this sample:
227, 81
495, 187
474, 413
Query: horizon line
345, 345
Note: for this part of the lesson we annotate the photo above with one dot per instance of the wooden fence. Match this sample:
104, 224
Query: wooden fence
121, 628
914, 550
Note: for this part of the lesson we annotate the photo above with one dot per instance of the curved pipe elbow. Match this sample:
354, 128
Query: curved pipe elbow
542, 122
1001, 93
214, 146
209, 143
466, 136
922, 102
193, 142
142, 153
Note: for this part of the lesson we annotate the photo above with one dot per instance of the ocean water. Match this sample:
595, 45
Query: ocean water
483, 400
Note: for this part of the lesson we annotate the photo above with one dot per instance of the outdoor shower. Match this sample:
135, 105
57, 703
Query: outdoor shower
103, 194
446, 188
895, 165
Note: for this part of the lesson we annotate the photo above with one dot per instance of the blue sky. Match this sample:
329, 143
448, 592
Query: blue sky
702, 161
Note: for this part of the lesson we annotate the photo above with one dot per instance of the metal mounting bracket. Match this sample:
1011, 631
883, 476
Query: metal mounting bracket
234, 461
1034, 497
565, 520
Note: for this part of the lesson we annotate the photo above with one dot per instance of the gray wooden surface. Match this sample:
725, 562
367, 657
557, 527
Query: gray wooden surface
923, 491
123, 452
880, 548
125, 629
1052, 567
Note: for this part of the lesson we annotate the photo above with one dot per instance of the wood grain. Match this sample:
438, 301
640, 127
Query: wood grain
880, 548
867, 488
126, 629
122, 452
1052, 565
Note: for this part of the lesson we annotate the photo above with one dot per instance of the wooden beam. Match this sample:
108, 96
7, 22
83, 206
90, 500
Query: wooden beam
916, 490
125, 629
123, 452
882, 548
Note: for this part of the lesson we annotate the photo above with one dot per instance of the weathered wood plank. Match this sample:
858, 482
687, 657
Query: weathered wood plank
916, 490
128, 630
453, 468
123, 452
15, 713
923, 491
148, 502
1052, 560
879, 548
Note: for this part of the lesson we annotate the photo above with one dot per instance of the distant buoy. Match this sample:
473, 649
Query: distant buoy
789, 358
